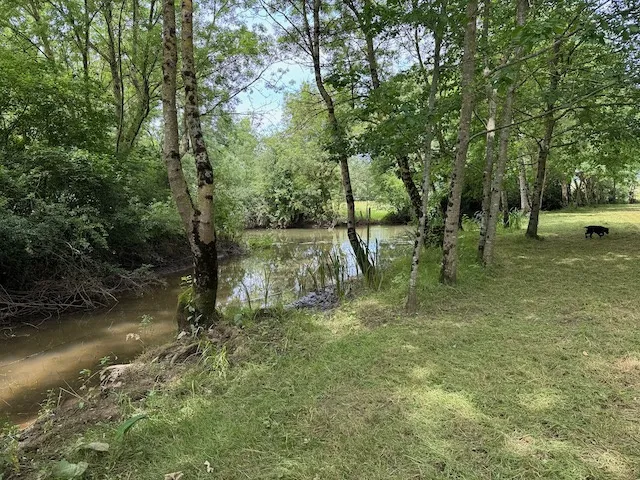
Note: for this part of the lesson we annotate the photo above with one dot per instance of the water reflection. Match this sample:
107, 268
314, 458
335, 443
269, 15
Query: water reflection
33, 361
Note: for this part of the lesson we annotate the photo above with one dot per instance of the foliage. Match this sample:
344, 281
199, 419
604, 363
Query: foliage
39, 104
126, 426
9, 434
294, 178
63, 470
59, 204
81, 180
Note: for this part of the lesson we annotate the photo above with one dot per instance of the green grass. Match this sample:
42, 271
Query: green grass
530, 369
378, 211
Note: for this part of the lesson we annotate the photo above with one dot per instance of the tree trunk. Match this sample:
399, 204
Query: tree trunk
426, 176
504, 201
85, 43
373, 64
577, 198
203, 243
197, 220
543, 155
363, 19
407, 179
338, 147
565, 194
503, 149
615, 200
115, 65
487, 174
450, 243
141, 73
525, 201
34, 8
171, 151
545, 145
170, 148
497, 184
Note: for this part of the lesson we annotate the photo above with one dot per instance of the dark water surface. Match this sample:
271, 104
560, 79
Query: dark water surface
50, 355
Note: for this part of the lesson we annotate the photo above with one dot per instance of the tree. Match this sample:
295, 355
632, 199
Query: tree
486, 245
450, 242
308, 33
492, 93
196, 215
426, 166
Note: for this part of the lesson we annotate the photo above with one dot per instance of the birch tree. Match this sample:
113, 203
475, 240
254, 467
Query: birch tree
196, 213
448, 270
307, 31
486, 248
426, 166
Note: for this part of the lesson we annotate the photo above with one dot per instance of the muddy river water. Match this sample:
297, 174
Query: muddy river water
49, 355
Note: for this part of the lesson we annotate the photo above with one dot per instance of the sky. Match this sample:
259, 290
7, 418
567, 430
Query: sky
264, 103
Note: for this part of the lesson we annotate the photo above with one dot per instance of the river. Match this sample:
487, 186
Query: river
49, 355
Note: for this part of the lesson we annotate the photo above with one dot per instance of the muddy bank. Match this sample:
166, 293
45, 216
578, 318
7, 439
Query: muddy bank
117, 392
94, 289
325, 299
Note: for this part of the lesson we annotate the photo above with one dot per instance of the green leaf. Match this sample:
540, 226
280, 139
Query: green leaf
126, 425
64, 470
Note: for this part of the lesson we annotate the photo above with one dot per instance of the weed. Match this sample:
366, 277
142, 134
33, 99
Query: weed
48, 406
9, 434
105, 361
215, 359
470, 224
247, 293
266, 284
516, 219
260, 242
127, 425
145, 321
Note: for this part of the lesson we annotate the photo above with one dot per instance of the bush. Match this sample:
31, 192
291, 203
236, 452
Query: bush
58, 204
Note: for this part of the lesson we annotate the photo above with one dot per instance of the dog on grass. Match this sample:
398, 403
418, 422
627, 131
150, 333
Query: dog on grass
591, 229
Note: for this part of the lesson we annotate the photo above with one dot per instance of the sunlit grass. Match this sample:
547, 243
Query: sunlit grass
378, 211
530, 369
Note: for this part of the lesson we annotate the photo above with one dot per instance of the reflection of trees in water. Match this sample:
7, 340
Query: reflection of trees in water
286, 268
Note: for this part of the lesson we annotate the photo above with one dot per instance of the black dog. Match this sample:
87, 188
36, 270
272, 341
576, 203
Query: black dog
591, 229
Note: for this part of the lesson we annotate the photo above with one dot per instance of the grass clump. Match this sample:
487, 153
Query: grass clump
530, 369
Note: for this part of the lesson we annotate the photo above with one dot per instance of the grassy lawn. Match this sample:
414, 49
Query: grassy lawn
378, 211
528, 370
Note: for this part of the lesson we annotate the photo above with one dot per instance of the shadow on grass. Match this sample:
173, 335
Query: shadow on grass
430, 398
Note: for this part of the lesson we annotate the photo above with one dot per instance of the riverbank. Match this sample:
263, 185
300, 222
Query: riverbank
95, 288
99, 285
527, 370
278, 267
